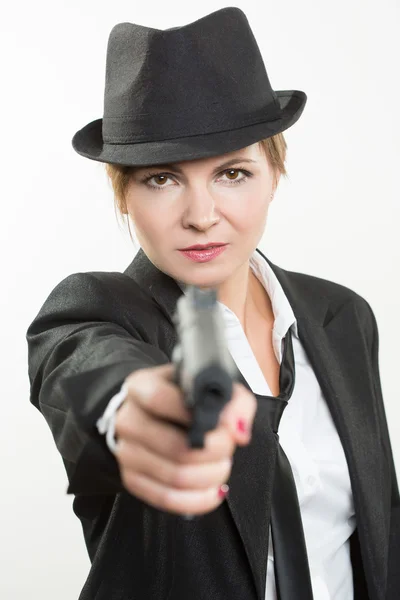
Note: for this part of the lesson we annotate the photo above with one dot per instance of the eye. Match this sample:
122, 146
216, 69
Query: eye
232, 172
160, 179
232, 175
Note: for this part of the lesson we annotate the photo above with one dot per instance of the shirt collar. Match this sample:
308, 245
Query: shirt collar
283, 312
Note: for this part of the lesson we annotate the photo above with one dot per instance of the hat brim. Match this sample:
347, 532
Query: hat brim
88, 141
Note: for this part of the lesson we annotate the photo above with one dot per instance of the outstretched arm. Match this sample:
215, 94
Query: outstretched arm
81, 347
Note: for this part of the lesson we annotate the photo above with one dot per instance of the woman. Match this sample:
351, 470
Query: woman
192, 139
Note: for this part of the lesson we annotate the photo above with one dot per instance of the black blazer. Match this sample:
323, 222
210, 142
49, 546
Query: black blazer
97, 327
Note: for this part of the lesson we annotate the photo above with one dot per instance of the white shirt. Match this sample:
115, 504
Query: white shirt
310, 440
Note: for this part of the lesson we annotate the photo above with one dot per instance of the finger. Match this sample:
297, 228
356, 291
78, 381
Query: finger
194, 502
241, 408
200, 476
135, 425
152, 389
167, 371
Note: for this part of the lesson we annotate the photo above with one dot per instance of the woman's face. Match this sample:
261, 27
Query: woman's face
222, 199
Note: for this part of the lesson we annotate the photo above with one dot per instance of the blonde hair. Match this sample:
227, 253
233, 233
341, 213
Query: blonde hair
274, 148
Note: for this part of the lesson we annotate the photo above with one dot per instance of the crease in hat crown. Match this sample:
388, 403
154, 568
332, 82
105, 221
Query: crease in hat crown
186, 92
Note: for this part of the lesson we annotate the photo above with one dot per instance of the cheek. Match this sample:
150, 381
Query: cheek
251, 214
148, 224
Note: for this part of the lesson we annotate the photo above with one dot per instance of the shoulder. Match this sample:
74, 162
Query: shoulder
322, 286
337, 295
93, 288
95, 296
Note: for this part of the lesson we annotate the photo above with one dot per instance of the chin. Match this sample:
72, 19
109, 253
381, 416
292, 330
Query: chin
202, 279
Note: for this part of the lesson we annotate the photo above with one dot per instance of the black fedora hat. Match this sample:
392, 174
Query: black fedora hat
186, 92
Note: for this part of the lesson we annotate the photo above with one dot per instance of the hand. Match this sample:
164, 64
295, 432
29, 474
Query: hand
155, 461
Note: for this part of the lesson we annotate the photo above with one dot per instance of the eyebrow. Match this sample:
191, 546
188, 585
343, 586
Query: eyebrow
224, 165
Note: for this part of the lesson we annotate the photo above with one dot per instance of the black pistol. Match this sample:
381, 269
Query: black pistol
205, 370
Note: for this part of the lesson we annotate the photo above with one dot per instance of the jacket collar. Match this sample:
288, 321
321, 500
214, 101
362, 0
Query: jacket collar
327, 319
165, 291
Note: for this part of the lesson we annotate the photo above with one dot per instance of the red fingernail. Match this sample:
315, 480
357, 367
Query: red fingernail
223, 490
241, 426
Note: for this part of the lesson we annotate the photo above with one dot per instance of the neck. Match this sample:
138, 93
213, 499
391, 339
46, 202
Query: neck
246, 297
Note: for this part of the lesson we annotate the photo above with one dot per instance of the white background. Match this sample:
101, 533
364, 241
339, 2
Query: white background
340, 210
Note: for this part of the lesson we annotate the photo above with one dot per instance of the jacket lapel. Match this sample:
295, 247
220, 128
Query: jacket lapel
341, 370
325, 331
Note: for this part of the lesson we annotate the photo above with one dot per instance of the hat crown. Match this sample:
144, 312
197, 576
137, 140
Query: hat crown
209, 74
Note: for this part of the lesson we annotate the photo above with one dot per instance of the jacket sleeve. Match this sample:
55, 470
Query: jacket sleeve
393, 580
82, 345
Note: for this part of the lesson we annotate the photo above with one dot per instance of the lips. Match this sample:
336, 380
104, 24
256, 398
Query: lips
204, 246
204, 254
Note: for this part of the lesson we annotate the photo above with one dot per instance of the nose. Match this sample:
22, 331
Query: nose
200, 211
